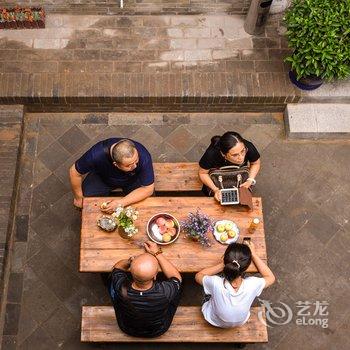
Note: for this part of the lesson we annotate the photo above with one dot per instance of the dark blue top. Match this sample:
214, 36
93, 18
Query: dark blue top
97, 161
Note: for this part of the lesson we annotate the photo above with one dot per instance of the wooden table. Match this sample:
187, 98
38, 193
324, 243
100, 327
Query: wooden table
100, 250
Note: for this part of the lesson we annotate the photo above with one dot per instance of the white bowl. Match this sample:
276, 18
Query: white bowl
152, 221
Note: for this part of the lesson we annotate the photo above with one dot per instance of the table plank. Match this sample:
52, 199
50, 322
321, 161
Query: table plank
100, 250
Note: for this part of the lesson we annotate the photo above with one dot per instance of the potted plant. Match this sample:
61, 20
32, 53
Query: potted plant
28, 23
122, 218
2, 21
125, 218
318, 31
197, 227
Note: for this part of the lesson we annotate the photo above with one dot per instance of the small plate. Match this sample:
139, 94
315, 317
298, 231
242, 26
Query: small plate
217, 234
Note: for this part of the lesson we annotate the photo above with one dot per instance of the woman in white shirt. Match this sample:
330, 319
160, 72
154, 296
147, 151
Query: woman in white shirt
231, 296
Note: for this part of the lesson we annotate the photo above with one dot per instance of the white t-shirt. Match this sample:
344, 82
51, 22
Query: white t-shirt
227, 307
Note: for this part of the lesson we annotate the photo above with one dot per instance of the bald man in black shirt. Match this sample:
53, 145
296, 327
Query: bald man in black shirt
145, 307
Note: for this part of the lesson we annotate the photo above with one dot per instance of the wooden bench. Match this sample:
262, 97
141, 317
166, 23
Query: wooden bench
177, 177
99, 325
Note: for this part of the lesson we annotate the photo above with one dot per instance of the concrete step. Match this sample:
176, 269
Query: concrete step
315, 120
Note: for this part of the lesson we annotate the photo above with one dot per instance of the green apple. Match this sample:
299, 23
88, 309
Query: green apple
228, 226
231, 233
220, 228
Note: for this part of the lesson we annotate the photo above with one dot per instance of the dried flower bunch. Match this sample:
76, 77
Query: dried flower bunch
197, 226
125, 218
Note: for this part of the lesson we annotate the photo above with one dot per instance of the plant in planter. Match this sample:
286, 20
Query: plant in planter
2, 21
22, 18
319, 33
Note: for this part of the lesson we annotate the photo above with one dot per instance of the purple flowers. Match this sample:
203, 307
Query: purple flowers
197, 227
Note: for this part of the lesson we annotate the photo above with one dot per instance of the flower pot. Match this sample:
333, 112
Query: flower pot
40, 23
123, 234
305, 83
195, 238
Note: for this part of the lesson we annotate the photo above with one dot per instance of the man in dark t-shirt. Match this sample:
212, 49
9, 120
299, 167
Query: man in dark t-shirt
113, 164
145, 307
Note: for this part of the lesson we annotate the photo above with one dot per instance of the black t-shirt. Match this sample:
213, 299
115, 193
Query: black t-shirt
144, 313
212, 158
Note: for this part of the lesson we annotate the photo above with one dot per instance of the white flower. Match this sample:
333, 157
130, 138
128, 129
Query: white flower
118, 211
134, 217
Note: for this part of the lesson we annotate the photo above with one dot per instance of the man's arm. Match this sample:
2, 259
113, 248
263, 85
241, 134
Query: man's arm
134, 196
167, 267
76, 180
208, 271
138, 194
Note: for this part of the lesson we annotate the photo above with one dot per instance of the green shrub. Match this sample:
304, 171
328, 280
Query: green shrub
319, 33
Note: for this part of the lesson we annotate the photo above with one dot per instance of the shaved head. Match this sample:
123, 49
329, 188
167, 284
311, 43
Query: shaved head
144, 268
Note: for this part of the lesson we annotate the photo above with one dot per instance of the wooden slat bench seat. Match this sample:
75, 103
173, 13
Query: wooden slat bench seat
177, 177
99, 325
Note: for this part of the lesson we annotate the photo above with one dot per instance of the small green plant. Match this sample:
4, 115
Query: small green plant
125, 217
319, 33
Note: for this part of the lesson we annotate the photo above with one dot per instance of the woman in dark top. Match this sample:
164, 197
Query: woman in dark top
228, 149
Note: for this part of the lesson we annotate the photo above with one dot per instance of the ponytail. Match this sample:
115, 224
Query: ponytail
232, 270
215, 140
237, 259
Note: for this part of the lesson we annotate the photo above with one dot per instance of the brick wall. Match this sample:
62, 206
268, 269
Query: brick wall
11, 126
138, 6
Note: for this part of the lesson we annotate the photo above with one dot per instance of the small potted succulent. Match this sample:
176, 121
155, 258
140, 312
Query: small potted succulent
318, 31
197, 227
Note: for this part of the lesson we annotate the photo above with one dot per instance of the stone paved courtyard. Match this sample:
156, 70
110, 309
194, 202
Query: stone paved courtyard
306, 205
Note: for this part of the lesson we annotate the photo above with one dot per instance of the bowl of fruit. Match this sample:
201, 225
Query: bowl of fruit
226, 231
163, 228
